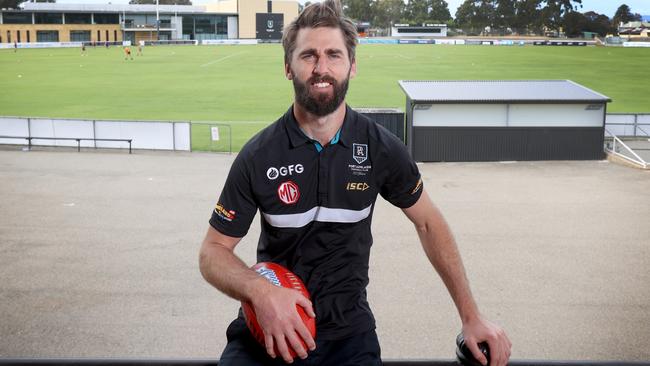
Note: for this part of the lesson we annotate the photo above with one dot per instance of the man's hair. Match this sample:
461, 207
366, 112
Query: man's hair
326, 14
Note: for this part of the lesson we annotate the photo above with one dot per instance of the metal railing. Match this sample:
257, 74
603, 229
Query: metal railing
78, 139
615, 146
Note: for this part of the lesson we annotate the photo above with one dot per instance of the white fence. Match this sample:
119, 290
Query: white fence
628, 124
153, 135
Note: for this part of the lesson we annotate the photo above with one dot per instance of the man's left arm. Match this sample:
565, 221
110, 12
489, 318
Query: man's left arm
440, 247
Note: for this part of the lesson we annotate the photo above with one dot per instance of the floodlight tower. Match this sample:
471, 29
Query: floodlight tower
157, 22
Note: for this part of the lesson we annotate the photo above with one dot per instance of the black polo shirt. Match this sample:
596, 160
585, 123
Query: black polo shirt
316, 207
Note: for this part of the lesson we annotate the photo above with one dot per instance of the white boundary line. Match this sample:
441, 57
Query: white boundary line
221, 59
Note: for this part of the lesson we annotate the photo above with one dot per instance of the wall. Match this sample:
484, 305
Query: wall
145, 135
247, 10
64, 31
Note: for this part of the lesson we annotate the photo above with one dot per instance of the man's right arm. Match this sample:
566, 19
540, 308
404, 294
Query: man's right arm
274, 306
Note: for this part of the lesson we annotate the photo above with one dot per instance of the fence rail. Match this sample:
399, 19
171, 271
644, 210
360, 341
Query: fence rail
78, 139
627, 124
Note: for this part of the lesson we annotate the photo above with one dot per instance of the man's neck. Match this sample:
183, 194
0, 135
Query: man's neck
322, 129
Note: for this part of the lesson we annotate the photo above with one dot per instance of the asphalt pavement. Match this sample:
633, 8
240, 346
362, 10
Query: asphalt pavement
99, 257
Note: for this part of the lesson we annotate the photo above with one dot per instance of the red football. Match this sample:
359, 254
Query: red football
281, 277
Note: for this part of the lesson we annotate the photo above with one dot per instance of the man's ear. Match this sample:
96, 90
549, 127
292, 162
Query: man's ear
287, 71
353, 68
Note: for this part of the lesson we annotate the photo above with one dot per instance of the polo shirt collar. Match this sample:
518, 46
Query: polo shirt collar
297, 137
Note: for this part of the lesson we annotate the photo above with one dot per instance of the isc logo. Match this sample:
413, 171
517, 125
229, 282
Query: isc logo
288, 192
357, 186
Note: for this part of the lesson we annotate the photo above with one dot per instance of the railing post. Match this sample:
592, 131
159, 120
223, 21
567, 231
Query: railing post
78, 145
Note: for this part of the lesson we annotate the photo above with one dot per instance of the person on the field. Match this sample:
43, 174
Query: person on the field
127, 53
314, 175
139, 49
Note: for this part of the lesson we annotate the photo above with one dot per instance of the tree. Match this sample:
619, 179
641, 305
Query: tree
9, 4
624, 15
388, 13
554, 11
476, 15
427, 11
162, 2
574, 24
360, 10
439, 12
14, 4
505, 12
528, 16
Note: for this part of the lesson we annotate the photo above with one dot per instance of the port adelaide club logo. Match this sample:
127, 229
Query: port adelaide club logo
360, 152
288, 192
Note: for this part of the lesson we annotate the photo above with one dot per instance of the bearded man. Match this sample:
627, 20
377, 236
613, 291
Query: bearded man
314, 175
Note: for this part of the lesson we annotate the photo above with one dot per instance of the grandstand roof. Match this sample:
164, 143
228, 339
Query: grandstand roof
112, 8
499, 91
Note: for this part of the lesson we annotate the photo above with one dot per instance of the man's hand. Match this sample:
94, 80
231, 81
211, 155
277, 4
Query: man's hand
481, 330
275, 308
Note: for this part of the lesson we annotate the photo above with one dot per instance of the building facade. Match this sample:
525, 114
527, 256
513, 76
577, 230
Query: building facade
101, 23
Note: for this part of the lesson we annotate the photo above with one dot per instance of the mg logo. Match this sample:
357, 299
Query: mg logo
269, 24
288, 193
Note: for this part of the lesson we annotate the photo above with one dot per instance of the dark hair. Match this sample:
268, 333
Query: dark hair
326, 14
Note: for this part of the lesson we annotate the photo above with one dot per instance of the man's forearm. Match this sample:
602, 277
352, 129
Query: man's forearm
224, 270
440, 247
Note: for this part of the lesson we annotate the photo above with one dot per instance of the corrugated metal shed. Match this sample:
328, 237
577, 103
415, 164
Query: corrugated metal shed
503, 120
500, 91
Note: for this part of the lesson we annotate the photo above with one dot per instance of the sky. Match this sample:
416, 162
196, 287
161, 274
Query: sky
607, 7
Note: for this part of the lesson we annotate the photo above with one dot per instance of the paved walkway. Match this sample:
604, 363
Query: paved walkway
98, 258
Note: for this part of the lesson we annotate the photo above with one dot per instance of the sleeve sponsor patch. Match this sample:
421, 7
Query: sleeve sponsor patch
226, 215
418, 186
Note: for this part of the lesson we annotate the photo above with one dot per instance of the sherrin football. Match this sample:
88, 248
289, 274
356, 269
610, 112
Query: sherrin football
281, 277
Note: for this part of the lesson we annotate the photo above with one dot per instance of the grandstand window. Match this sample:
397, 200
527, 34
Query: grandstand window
47, 36
79, 36
28, 40
107, 35
48, 18
16, 18
107, 19
77, 18
99, 35
114, 36
8, 36
18, 35
188, 27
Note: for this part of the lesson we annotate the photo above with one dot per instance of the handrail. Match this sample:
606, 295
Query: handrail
78, 139
614, 151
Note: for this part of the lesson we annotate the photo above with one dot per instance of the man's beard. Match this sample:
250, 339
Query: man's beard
320, 104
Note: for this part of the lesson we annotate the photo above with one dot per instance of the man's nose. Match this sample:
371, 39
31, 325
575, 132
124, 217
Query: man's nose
321, 65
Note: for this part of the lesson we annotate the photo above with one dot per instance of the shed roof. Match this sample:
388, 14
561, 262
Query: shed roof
500, 91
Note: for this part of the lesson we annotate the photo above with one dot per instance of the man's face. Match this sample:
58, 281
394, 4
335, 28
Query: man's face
320, 69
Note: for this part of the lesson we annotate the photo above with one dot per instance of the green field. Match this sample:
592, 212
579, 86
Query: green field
245, 87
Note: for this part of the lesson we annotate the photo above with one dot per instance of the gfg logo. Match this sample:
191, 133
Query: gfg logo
273, 173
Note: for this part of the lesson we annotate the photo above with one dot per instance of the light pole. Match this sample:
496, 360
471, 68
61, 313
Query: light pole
157, 22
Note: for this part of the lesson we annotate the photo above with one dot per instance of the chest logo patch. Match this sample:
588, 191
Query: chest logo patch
360, 152
288, 193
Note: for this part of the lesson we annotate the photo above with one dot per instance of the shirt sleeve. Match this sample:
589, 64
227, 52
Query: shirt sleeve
402, 185
237, 206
